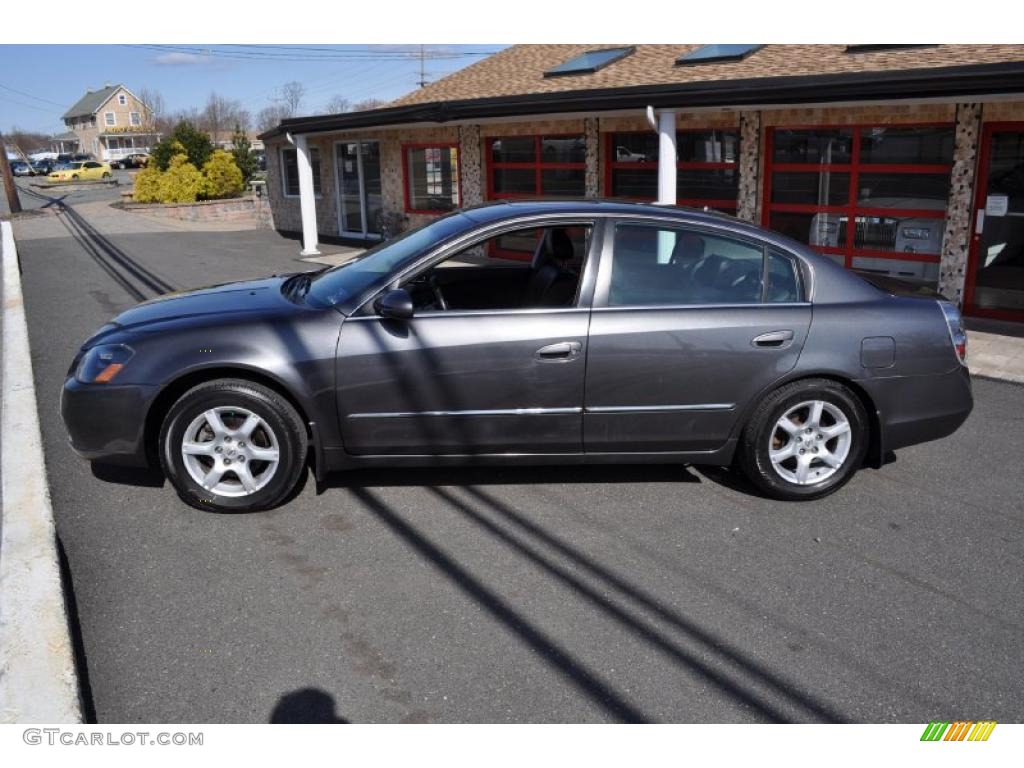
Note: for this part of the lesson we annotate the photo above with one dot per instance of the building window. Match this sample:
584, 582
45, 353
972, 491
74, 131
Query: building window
536, 166
135, 118
290, 168
122, 99
870, 198
707, 163
109, 118
431, 178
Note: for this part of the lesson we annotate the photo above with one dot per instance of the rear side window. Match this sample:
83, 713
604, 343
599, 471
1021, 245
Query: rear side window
653, 265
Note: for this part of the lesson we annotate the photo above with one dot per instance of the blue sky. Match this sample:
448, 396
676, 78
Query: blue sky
38, 82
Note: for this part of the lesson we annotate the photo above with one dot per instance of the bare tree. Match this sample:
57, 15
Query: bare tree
242, 119
219, 116
365, 104
291, 97
337, 104
269, 117
26, 141
153, 107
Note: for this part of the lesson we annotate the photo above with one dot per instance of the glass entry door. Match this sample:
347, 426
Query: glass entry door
359, 188
995, 285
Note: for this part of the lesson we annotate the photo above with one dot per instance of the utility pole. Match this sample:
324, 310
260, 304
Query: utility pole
423, 65
13, 203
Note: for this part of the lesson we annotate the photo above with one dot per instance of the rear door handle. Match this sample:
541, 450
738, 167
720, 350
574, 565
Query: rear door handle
774, 339
560, 351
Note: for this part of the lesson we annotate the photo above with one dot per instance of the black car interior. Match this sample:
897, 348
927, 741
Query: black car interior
699, 270
487, 276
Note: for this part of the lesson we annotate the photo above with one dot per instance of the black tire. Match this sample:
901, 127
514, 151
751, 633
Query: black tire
280, 416
105, 175
760, 433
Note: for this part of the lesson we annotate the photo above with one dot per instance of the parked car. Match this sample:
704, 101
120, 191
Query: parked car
636, 333
134, 160
81, 171
43, 167
21, 168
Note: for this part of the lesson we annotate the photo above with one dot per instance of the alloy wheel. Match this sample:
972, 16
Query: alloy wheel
810, 442
230, 451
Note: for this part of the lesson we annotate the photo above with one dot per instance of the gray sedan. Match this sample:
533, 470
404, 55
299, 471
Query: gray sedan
529, 332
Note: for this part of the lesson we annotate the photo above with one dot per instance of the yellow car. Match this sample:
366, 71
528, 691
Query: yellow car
81, 170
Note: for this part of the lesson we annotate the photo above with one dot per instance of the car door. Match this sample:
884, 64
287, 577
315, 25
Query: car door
500, 380
689, 324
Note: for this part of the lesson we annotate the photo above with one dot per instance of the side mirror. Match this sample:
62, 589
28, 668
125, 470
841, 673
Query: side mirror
396, 304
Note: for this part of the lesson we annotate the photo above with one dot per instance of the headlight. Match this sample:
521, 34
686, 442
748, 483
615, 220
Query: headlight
101, 364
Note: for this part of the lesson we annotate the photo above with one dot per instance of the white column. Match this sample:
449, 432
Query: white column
666, 157
307, 200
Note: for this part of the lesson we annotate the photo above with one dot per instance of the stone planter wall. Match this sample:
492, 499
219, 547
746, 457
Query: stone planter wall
241, 209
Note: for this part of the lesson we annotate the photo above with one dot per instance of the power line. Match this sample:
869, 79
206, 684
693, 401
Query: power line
31, 96
280, 57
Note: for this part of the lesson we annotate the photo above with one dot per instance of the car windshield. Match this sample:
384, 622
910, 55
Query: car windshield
348, 280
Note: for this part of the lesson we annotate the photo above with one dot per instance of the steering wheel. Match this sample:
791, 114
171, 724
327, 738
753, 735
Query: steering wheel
435, 288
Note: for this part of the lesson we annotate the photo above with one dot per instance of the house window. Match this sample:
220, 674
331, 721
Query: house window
431, 178
707, 163
109, 118
122, 99
536, 166
869, 197
290, 176
135, 118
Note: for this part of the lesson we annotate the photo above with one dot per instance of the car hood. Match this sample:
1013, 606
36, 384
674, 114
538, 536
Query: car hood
256, 297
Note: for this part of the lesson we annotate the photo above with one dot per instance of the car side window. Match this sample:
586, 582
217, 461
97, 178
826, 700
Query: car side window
92, 165
529, 268
783, 278
675, 266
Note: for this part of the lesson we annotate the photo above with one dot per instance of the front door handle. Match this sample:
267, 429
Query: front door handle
773, 339
560, 351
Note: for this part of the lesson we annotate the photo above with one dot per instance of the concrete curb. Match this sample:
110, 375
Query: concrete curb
38, 679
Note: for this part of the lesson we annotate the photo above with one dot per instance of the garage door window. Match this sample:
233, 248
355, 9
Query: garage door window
536, 166
707, 172
869, 197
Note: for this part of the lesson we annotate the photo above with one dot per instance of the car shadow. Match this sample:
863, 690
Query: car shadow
306, 705
122, 475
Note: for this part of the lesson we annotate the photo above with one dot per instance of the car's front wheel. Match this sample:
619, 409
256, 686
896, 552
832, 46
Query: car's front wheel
805, 440
234, 446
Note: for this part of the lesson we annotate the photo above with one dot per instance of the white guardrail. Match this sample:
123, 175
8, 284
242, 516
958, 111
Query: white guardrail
38, 679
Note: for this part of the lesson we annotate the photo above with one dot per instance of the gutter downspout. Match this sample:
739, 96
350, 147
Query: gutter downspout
307, 195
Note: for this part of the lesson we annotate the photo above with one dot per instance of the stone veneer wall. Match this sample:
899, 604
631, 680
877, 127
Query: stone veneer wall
956, 241
750, 157
470, 167
592, 135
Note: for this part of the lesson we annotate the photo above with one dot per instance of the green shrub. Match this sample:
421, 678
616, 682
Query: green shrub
222, 175
187, 139
245, 159
181, 182
147, 185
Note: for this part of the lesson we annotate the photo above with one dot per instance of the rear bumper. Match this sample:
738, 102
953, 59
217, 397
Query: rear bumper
107, 423
916, 409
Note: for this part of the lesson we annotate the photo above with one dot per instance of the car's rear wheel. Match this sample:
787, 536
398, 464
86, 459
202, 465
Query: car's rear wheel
233, 446
106, 175
805, 440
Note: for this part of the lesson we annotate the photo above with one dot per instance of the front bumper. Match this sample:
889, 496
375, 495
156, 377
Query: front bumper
105, 422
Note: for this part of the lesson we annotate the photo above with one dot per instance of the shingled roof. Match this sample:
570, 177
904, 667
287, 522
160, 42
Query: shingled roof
93, 100
520, 69
511, 83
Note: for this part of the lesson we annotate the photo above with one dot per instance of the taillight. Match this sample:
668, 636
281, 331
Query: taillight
957, 334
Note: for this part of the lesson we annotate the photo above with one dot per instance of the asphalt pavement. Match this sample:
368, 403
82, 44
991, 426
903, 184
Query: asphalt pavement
521, 594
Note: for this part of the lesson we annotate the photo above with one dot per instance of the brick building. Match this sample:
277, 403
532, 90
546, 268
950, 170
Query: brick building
905, 160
